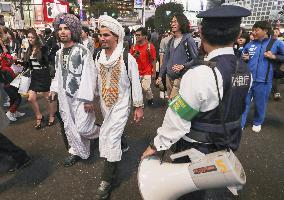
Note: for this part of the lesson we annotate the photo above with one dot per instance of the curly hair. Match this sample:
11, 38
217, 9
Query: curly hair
182, 21
72, 22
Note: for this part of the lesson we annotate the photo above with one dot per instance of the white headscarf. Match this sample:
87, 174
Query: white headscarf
114, 26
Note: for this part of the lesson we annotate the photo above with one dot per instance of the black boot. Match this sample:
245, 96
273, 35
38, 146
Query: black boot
71, 160
103, 190
124, 145
109, 172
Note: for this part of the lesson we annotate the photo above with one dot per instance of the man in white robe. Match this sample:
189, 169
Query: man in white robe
74, 83
116, 83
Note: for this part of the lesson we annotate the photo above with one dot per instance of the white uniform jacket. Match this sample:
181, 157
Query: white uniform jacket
198, 89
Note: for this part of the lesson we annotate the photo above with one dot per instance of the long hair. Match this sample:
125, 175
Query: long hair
37, 46
182, 21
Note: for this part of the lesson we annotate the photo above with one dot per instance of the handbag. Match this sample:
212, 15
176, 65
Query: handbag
25, 82
16, 81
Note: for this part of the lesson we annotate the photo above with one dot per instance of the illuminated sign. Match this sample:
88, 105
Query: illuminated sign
51, 8
138, 4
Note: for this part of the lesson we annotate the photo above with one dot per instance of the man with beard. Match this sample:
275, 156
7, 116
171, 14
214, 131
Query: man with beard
118, 78
75, 86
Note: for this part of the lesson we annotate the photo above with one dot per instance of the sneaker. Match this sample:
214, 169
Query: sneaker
19, 114
256, 129
11, 116
162, 94
103, 190
6, 104
20, 165
277, 96
166, 95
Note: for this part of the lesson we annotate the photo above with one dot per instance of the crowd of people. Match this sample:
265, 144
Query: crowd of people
73, 64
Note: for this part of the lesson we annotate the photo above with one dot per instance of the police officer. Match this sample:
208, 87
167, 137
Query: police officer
206, 113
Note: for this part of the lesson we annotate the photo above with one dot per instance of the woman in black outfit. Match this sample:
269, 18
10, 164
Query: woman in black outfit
36, 58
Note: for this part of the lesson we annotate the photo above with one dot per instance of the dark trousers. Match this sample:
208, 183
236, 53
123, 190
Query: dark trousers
9, 149
15, 97
57, 114
275, 85
109, 172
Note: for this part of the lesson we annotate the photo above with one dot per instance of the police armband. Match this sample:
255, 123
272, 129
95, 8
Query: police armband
182, 109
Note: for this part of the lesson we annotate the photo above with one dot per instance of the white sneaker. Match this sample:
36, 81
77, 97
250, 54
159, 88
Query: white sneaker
166, 95
256, 129
6, 104
11, 116
18, 114
162, 94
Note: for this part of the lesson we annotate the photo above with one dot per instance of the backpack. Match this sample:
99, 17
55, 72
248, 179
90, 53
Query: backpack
185, 45
278, 68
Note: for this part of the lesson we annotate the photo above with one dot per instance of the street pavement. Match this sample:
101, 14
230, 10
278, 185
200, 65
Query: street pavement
261, 154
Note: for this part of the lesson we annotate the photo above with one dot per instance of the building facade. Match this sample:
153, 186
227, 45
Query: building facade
261, 9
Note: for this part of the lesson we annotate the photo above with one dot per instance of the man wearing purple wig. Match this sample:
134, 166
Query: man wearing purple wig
75, 86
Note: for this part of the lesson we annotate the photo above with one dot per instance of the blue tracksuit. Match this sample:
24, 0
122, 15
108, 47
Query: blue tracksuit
261, 87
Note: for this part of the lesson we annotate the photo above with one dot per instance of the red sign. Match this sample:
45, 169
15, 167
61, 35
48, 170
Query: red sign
51, 8
38, 13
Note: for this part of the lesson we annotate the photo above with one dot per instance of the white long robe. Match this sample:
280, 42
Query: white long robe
116, 116
73, 91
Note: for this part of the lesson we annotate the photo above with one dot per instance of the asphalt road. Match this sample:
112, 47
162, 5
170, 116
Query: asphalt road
261, 154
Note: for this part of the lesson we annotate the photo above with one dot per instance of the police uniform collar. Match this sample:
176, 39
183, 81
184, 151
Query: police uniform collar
220, 51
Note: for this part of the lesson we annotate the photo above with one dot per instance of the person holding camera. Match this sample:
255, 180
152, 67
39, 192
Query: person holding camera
145, 54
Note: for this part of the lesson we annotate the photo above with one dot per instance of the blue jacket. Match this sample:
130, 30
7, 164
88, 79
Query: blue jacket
178, 56
257, 62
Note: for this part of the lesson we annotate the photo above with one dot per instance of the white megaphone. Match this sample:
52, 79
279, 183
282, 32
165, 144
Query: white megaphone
169, 181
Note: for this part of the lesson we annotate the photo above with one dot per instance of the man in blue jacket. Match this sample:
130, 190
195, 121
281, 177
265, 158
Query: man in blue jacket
260, 61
